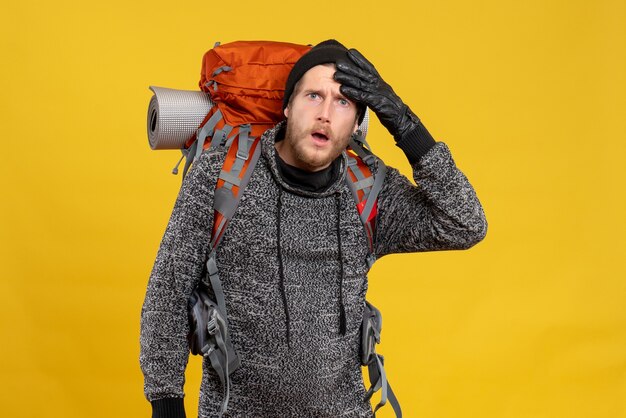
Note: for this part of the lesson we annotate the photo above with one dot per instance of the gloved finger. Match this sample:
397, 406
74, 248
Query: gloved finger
362, 62
350, 81
356, 95
352, 69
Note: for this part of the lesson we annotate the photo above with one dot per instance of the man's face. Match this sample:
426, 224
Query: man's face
320, 121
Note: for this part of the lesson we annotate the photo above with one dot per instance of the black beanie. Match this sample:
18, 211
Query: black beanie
329, 51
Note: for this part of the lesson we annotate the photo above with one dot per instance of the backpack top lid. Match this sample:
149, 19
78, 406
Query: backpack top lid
246, 79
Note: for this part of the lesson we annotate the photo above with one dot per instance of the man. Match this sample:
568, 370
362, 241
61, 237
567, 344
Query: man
293, 261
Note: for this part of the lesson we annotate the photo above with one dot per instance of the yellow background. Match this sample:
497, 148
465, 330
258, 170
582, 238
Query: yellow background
530, 96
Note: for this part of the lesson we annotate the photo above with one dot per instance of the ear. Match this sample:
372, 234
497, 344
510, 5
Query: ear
286, 111
356, 126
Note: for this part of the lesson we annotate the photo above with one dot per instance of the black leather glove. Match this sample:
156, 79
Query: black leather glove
361, 82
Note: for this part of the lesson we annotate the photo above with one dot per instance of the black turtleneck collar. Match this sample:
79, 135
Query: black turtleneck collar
317, 181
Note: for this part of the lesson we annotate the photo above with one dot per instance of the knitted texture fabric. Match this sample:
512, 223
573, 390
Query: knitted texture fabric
318, 374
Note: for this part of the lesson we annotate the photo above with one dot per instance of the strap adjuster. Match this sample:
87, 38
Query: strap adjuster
211, 325
243, 156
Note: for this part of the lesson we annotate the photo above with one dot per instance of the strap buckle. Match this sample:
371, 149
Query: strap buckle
243, 156
211, 325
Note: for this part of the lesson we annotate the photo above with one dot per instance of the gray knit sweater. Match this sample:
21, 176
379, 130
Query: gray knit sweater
295, 361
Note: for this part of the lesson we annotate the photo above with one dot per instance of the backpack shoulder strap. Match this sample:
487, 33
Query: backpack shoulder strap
365, 187
234, 176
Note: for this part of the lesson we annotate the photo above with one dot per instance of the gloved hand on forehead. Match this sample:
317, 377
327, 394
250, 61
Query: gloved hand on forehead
361, 82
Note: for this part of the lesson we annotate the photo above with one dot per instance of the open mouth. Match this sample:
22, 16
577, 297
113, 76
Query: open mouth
319, 136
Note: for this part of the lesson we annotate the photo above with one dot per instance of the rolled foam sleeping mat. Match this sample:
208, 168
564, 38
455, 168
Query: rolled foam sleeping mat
174, 116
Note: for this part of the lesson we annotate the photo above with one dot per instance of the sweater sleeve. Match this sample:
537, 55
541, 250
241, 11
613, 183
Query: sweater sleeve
416, 143
178, 268
441, 213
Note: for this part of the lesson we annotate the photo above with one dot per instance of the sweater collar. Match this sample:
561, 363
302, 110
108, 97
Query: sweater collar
269, 152
306, 180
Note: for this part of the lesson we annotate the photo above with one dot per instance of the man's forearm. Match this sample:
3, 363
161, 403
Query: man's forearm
441, 213
177, 270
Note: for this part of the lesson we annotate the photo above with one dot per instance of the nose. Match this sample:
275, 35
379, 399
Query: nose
324, 111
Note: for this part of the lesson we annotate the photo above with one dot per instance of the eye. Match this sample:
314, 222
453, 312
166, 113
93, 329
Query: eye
344, 102
313, 95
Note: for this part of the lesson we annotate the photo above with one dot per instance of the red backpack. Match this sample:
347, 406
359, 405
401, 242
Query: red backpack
246, 83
